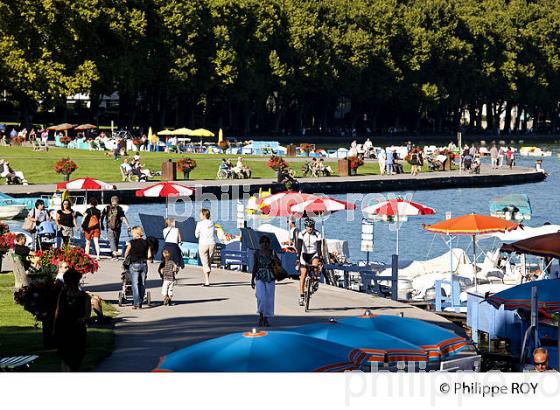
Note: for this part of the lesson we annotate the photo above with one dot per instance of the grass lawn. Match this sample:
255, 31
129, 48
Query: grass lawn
38, 165
20, 334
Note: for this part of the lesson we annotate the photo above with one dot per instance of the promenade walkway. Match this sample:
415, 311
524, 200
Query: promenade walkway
200, 313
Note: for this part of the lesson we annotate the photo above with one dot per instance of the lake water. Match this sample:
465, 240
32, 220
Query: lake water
414, 242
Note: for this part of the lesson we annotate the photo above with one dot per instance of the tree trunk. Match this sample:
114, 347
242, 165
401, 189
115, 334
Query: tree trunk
507, 121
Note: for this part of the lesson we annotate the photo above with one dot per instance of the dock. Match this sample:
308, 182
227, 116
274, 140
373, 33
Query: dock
326, 185
229, 305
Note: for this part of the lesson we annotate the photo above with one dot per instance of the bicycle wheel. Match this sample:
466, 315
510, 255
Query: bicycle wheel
308, 292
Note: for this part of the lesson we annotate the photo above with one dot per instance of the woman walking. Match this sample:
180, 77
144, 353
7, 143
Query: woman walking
73, 309
66, 221
263, 281
414, 161
205, 232
138, 253
91, 225
172, 238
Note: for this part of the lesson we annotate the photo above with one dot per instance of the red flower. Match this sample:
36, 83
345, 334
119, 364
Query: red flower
65, 166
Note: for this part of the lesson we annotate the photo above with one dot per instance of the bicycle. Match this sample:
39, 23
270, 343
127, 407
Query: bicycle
311, 284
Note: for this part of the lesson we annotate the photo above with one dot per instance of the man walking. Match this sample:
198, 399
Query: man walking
114, 214
494, 156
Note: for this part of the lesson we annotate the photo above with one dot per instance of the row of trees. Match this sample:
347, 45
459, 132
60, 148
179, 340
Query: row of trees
266, 66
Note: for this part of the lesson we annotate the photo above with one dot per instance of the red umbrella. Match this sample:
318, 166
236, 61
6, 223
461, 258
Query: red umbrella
320, 205
87, 184
280, 204
165, 190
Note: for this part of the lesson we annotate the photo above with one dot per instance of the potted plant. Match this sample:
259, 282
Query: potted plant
40, 296
277, 164
7, 241
65, 139
186, 165
355, 163
65, 166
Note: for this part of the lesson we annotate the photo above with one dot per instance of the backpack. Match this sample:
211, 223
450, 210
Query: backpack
112, 222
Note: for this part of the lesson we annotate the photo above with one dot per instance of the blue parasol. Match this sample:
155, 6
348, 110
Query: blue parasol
438, 342
276, 351
379, 346
516, 297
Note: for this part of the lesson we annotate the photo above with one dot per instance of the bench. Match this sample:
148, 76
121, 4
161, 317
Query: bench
16, 363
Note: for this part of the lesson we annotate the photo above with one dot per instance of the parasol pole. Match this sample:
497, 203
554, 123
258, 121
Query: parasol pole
166, 206
474, 262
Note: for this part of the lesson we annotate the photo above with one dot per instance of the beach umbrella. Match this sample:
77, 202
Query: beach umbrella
543, 245
61, 127
84, 184
379, 346
275, 351
220, 136
85, 127
439, 343
165, 132
181, 131
280, 204
473, 225
200, 132
321, 205
396, 208
516, 297
165, 190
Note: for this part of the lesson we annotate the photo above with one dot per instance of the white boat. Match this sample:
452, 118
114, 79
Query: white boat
79, 203
11, 211
534, 152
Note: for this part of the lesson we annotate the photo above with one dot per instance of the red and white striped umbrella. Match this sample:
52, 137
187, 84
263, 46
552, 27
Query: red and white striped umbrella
321, 205
399, 206
165, 189
280, 204
86, 184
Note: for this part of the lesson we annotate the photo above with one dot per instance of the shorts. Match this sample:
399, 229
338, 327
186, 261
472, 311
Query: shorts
94, 233
306, 259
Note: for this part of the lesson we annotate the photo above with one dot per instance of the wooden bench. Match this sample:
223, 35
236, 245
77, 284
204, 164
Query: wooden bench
16, 363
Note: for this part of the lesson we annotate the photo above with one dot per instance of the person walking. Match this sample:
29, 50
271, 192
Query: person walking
114, 216
205, 232
389, 162
263, 281
73, 309
494, 156
501, 155
509, 156
414, 161
138, 252
65, 221
172, 238
167, 271
37, 216
91, 225
382, 160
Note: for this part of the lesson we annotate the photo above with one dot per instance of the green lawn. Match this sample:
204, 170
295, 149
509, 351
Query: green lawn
38, 166
20, 334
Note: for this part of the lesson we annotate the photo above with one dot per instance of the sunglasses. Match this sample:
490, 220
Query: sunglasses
541, 363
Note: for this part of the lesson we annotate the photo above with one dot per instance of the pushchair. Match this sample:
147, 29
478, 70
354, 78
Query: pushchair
433, 164
45, 236
125, 294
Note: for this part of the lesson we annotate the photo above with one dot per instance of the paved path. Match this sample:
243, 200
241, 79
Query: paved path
143, 336
384, 180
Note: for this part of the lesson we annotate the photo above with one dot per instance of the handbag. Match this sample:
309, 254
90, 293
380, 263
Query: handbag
29, 225
277, 269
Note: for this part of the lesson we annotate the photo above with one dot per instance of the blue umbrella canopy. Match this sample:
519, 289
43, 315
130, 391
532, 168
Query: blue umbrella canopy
516, 297
438, 342
276, 351
379, 346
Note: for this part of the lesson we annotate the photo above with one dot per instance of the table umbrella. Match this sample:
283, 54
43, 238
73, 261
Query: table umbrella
280, 204
396, 208
61, 127
275, 351
85, 127
165, 190
200, 132
439, 343
181, 131
379, 346
543, 245
516, 297
84, 184
165, 132
471, 224
321, 206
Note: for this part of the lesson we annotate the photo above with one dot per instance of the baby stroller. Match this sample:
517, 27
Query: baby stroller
125, 294
46, 236
433, 165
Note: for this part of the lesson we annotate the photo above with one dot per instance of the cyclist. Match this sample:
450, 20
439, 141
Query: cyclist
308, 248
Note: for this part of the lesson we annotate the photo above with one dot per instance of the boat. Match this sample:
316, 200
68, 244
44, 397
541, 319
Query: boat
29, 202
11, 210
534, 152
513, 207
79, 203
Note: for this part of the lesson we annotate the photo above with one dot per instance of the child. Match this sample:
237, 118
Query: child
167, 271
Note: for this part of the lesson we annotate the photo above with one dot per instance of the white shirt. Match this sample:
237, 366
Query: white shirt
310, 241
171, 235
205, 232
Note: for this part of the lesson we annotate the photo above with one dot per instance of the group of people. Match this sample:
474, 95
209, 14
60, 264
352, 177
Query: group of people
389, 162
316, 168
503, 156
134, 168
12, 176
239, 171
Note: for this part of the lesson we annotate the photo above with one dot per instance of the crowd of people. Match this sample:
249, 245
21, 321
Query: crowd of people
226, 169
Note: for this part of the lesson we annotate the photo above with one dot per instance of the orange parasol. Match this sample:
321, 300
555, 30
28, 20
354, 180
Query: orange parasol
85, 127
472, 224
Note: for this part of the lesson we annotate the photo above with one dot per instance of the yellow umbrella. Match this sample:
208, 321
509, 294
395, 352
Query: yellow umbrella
220, 136
181, 131
150, 133
165, 132
200, 132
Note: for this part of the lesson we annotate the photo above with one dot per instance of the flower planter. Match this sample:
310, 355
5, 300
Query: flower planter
66, 177
186, 174
279, 176
353, 171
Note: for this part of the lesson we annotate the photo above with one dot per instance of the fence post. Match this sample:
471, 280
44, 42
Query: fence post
395, 277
